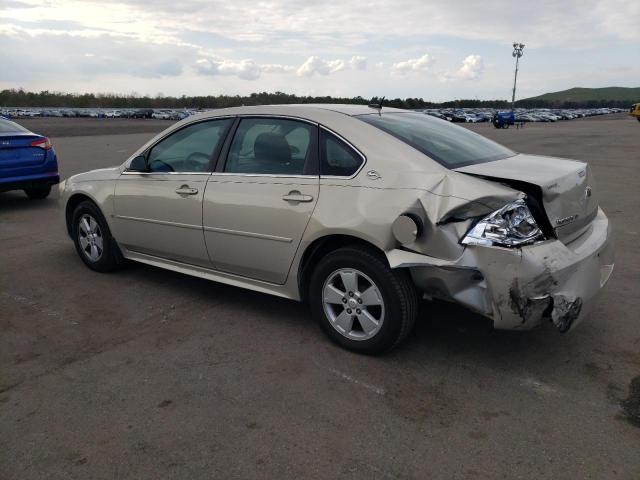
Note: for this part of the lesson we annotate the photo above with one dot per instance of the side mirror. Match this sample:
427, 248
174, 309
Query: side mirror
138, 164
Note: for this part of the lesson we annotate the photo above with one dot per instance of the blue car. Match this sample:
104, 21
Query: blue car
503, 119
27, 161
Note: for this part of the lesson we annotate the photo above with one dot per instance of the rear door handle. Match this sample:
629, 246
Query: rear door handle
186, 190
296, 196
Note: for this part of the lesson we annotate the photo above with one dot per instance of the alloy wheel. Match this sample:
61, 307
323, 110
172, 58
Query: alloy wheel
353, 304
90, 237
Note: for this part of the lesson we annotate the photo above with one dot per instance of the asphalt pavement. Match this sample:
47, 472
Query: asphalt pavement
146, 373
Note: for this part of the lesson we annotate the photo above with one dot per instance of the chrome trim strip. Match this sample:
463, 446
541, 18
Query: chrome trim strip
249, 234
336, 177
131, 172
269, 115
160, 222
269, 175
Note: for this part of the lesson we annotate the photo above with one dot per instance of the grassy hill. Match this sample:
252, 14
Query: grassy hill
585, 95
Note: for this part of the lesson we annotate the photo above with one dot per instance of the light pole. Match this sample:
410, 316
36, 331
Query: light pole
517, 53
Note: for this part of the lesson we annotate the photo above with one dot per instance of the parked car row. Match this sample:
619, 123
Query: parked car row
462, 115
475, 115
163, 114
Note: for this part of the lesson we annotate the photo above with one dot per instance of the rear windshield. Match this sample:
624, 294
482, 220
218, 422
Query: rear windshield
450, 145
8, 127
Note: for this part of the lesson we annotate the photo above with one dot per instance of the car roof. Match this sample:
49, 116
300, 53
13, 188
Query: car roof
346, 109
305, 110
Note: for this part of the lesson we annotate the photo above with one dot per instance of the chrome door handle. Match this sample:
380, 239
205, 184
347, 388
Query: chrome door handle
296, 196
186, 190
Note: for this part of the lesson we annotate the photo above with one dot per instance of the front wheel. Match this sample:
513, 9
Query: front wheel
38, 193
360, 302
92, 237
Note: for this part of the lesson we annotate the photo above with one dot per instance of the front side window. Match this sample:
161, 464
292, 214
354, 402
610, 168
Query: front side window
271, 146
449, 145
336, 157
190, 149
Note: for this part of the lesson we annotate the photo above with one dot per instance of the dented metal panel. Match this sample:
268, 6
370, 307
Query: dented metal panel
548, 281
567, 187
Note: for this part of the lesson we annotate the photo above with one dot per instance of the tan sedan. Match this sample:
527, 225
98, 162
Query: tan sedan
359, 211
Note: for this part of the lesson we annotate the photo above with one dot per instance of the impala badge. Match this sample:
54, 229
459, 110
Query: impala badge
563, 221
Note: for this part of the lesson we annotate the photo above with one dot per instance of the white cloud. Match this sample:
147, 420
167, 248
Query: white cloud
249, 70
245, 69
89, 60
345, 24
277, 68
156, 49
358, 62
422, 64
472, 67
335, 65
315, 64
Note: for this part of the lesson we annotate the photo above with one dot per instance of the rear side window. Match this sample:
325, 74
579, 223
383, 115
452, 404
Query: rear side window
190, 149
449, 145
271, 146
336, 157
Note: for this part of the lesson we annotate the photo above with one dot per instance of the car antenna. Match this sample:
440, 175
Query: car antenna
377, 106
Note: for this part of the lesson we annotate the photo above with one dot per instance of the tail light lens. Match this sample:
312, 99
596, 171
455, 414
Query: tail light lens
511, 226
43, 143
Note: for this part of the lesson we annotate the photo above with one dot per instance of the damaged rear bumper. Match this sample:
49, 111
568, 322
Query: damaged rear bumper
520, 288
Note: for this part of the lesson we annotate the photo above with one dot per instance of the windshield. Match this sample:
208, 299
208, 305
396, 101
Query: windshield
450, 145
9, 127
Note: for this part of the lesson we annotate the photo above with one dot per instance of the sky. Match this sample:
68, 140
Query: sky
434, 49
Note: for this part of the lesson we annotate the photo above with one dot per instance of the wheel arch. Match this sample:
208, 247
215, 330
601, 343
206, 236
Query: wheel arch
73, 201
321, 247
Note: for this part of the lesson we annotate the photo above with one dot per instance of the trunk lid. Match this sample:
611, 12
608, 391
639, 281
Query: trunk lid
16, 151
565, 188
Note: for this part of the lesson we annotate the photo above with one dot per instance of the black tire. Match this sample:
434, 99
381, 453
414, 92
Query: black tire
111, 257
38, 193
396, 288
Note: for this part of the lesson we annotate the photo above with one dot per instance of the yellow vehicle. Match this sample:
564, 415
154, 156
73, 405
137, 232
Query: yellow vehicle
635, 111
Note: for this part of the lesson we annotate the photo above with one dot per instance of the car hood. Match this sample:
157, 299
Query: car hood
100, 174
565, 188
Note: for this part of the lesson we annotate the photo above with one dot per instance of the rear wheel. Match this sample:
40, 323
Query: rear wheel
92, 237
360, 302
38, 193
